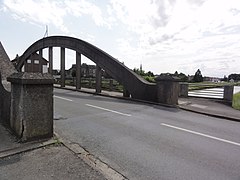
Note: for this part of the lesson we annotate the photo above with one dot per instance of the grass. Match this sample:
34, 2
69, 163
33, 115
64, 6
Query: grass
236, 101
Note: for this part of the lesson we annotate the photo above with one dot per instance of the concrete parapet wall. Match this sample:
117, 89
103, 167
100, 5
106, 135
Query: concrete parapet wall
5, 102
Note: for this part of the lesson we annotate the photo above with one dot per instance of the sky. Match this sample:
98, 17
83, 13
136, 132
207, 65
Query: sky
162, 35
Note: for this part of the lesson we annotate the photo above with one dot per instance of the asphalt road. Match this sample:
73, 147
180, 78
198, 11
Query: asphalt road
150, 142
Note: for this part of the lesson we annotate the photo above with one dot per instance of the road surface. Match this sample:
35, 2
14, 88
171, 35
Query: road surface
149, 142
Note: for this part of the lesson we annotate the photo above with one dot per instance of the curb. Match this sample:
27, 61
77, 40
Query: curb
27, 147
210, 114
108, 172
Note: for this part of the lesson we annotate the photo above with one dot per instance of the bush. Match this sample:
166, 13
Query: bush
236, 101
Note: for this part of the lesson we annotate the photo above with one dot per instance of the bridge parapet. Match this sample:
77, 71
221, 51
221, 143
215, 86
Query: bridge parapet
134, 84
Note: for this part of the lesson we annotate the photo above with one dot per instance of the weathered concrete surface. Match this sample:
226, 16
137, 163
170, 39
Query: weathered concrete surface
31, 105
7, 140
137, 86
5, 102
6, 69
167, 89
6, 66
183, 89
228, 93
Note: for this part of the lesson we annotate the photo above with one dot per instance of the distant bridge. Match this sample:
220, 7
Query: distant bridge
136, 86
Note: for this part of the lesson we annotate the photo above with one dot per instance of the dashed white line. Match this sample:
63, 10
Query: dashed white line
109, 110
201, 134
63, 98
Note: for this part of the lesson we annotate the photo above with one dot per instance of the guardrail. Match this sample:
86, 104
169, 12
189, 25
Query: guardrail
206, 91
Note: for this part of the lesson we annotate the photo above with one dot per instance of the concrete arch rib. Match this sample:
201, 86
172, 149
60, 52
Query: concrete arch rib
137, 86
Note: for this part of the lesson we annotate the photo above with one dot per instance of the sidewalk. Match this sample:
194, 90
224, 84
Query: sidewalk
209, 107
48, 160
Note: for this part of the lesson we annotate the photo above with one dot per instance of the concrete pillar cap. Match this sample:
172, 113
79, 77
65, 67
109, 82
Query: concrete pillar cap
30, 78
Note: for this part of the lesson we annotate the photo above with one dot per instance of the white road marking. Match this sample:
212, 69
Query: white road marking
109, 110
62, 98
201, 134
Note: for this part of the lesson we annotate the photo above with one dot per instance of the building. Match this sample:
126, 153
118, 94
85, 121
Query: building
86, 71
35, 63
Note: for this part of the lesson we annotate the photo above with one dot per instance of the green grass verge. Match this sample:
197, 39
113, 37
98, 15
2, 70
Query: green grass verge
236, 101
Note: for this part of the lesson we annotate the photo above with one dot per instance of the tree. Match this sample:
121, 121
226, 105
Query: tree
235, 77
183, 77
224, 78
73, 73
198, 76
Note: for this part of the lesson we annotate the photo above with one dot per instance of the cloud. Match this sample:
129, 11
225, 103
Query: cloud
82, 7
53, 12
43, 12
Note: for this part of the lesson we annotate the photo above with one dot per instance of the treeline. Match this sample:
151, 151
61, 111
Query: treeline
235, 77
198, 77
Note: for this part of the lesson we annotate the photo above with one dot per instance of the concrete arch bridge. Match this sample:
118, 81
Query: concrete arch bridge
134, 84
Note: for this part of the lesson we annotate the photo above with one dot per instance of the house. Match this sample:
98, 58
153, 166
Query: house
86, 70
35, 63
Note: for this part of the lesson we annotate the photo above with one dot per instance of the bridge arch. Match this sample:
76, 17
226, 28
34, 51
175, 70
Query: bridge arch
136, 86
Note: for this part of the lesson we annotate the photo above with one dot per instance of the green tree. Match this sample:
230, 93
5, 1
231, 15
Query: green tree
198, 76
235, 77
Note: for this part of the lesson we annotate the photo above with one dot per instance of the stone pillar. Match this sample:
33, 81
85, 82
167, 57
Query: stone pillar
125, 92
98, 79
31, 105
228, 93
90, 82
110, 84
62, 67
167, 89
78, 70
50, 59
183, 90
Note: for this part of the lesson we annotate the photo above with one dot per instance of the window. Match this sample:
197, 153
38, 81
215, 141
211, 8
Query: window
36, 61
29, 61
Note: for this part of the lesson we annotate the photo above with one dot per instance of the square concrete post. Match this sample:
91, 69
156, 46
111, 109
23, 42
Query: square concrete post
98, 79
78, 70
50, 59
31, 114
228, 93
183, 89
62, 67
167, 89
111, 84
126, 93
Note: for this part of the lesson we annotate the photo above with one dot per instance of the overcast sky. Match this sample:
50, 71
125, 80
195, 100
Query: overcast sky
163, 35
